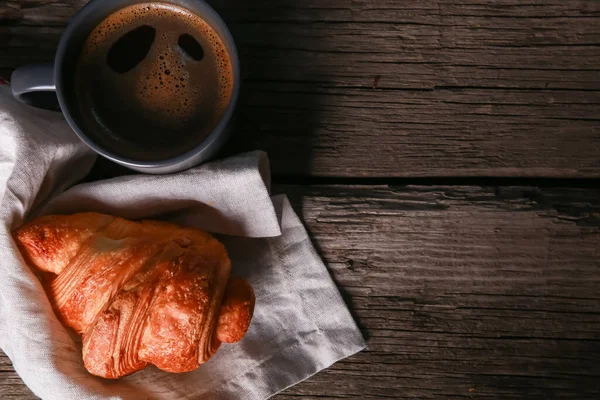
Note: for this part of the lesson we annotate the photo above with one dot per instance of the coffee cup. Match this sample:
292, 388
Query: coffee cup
149, 85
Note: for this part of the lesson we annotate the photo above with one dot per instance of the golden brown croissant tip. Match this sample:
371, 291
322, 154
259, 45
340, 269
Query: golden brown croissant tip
236, 311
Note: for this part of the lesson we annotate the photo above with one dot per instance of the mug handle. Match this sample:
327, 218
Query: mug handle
34, 85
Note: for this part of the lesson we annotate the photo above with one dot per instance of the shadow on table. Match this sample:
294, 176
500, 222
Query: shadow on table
277, 110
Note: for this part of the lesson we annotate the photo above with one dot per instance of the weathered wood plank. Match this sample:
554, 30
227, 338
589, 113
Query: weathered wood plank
461, 292
388, 88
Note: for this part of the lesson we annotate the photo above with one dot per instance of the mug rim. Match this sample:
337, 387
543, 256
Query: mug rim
91, 10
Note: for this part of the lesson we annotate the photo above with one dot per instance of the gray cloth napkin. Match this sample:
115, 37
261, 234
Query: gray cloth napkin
300, 326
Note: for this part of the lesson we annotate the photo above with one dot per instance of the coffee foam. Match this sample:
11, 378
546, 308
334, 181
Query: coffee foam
162, 81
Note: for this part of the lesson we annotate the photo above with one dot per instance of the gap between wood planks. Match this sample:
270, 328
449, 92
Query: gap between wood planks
436, 181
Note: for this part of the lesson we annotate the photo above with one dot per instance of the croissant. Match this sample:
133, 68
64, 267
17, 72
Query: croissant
139, 293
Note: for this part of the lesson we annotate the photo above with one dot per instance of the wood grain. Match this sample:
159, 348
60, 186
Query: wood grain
387, 88
461, 292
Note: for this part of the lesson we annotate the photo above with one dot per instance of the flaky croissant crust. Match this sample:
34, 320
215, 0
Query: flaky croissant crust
139, 293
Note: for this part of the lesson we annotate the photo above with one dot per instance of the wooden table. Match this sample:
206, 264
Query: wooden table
445, 157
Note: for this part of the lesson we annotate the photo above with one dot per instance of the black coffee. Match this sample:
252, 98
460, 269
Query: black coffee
152, 81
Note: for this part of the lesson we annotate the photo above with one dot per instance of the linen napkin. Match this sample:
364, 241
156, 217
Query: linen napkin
300, 325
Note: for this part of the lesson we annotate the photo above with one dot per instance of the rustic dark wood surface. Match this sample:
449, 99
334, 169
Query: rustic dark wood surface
396, 88
476, 290
461, 292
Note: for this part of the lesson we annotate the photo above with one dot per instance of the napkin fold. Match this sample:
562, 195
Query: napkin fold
300, 326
